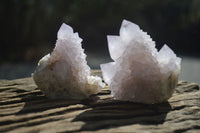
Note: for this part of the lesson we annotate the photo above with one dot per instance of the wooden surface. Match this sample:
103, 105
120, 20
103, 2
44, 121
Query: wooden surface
23, 108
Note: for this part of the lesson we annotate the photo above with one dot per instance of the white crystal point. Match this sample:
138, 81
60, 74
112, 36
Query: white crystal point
64, 73
128, 28
108, 71
114, 46
139, 72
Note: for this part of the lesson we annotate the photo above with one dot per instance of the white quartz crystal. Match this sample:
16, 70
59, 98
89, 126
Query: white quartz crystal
64, 73
139, 72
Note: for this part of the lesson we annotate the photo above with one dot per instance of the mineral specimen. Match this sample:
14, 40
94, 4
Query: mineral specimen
139, 72
65, 73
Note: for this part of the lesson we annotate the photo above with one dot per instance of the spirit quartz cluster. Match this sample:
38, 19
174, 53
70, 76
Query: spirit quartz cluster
64, 73
139, 72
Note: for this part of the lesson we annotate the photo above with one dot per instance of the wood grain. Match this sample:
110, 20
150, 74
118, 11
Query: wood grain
24, 108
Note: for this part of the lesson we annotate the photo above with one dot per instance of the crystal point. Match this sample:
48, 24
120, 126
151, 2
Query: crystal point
139, 72
64, 73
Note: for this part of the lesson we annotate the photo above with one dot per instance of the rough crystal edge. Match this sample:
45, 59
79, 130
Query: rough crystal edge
93, 84
124, 37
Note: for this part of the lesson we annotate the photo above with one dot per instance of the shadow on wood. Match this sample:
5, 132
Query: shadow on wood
117, 113
37, 102
23, 108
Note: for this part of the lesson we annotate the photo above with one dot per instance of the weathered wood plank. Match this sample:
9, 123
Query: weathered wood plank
24, 108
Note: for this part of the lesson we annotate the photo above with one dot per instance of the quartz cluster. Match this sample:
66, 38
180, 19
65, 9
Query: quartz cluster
64, 73
139, 72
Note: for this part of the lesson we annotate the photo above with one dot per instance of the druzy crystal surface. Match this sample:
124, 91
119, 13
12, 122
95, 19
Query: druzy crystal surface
139, 72
64, 73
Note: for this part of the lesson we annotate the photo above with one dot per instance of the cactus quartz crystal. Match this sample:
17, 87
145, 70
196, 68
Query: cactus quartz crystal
139, 72
65, 73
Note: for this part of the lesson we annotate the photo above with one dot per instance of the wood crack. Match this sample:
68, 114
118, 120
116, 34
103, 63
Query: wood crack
24, 108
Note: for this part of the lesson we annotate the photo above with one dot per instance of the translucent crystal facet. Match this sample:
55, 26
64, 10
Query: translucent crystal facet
64, 73
139, 72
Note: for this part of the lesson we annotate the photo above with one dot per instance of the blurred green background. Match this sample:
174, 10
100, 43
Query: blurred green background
28, 29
